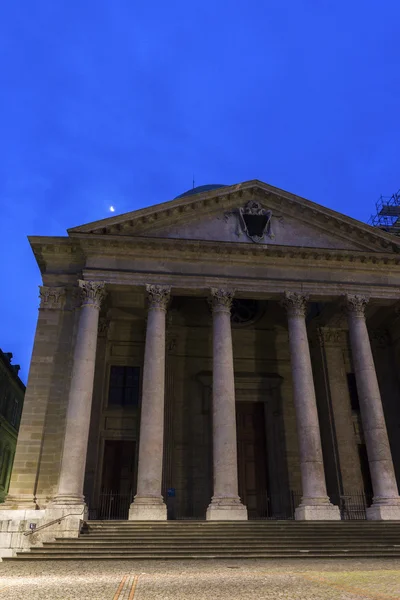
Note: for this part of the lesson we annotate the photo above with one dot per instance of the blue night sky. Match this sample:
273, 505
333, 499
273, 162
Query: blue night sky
119, 103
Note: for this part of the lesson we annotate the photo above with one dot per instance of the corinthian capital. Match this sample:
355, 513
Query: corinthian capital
356, 304
158, 296
92, 293
295, 303
221, 300
51, 297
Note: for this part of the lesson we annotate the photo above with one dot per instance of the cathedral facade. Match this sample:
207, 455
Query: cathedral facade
231, 354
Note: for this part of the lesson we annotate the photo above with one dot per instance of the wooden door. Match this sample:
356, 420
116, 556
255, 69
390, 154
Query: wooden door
252, 464
118, 466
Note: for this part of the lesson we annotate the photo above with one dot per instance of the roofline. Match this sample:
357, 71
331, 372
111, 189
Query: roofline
162, 206
10, 369
221, 192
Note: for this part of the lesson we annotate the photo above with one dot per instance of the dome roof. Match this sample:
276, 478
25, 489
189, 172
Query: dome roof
200, 189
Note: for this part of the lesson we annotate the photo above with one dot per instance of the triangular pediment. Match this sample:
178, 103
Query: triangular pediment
245, 213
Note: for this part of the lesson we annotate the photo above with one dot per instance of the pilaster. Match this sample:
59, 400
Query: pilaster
333, 342
44, 388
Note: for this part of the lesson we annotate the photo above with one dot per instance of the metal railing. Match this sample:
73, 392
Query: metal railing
58, 521
279, 507
111, 506
353, 507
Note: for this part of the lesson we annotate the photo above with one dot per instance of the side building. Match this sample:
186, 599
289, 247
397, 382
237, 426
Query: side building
12, 393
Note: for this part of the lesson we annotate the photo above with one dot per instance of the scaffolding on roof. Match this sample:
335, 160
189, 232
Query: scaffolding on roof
387, 215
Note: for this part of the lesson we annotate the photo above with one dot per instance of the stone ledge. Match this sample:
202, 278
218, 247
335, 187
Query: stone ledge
326, 512
147, 512
13, 528
383, 512
218, 511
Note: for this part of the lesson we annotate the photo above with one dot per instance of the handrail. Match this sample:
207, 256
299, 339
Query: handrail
31, 531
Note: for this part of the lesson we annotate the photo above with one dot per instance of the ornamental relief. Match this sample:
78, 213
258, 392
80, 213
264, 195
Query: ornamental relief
295, 303
332, 337
380, 338
158, 296
103, 326
51, 297
221, 300
356, 304
92, 293
253, 221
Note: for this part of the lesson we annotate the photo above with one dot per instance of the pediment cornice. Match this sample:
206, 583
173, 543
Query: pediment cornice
145, 221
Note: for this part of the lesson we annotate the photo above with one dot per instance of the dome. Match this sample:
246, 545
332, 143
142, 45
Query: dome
200, 189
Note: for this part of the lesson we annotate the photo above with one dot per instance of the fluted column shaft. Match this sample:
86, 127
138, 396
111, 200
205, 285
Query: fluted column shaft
148, 502
386, 502
70, 489
315, 503
225, 503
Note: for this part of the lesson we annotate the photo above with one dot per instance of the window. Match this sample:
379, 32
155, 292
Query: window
124, 386
5, 467
352, 385
14, 414
3, 401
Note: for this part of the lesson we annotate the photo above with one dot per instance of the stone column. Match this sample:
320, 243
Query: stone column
386, 502
315, 503
72, 473
148, 503
225, 504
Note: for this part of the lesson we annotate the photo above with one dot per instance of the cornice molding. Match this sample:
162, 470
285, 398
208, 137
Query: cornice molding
115, 245
178, 210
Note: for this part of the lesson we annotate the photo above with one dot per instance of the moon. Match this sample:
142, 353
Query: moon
112, 209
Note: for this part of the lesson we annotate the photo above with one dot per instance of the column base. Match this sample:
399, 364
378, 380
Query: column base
67, 500
226, 509
21, 502
317, 512
147, 509
387, 511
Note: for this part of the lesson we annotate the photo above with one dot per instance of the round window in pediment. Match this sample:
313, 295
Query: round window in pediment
244, 312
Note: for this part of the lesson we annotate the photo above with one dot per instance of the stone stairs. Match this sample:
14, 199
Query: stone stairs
124, 540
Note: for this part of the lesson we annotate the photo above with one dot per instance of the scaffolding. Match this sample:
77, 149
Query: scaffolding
387, 215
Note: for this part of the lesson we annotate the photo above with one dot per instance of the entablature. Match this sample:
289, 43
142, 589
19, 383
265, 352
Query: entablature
199, 284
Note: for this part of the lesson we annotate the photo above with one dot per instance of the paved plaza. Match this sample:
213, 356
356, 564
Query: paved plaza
202, 580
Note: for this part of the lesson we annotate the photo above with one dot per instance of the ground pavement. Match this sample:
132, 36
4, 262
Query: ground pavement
312, 579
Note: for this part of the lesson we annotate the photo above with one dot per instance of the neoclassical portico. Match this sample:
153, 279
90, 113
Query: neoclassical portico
225, 503
238, 375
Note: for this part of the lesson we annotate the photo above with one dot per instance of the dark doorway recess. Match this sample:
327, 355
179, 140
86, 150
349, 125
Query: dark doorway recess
117, 481
252, 466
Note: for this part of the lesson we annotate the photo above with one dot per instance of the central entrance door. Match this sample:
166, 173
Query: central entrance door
252, 466
118, 479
